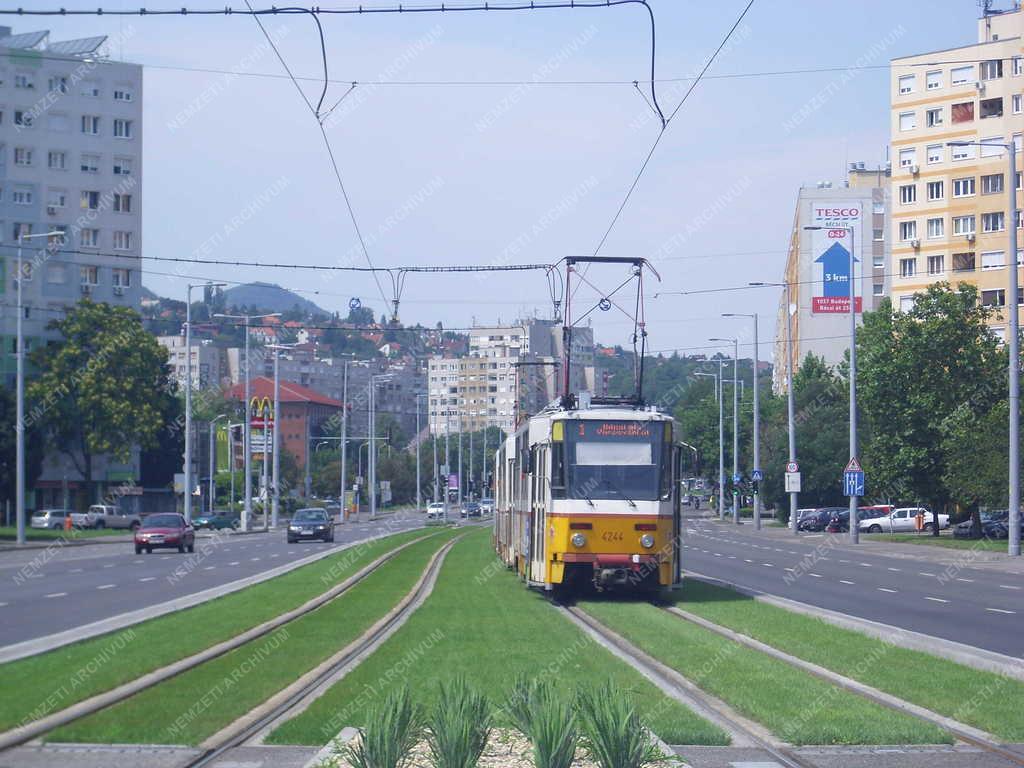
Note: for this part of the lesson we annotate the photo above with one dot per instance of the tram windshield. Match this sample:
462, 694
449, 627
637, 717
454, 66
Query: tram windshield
616, 460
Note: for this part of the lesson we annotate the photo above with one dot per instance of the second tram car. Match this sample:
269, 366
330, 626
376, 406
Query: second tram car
591, 495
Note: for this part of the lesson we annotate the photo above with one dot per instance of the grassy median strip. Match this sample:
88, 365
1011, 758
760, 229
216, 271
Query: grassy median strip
985, 700
942, 540
481, 622
795, 705
196, 704
43, 684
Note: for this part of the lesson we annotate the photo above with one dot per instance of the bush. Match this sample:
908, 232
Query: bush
547, 720
393, 728
613, 733
459, 726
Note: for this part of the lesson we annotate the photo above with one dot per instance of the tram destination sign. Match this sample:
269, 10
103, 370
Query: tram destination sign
597, 431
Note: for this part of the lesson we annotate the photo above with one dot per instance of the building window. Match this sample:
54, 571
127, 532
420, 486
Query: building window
992, 146
22, 196
21, 230
963, 187
993, 222
963, 225
90, 200
123, 129
993, 298
122, 166
961, 75
56, 161
934, 154
908, 157
91, 125
61, 236
58, 123
878, 235
878, 289
1018, 66
908, 230
963, 262
22, 118
56, 198
908, 267
992, 70
22, 156
122, 94
936, 228
933, 117
936, 190
933, 79
122, 277
990, 107
1016, 103
90, 238
23, 80
90, 88
936, 264
962, 112
90, 163
878, 261
993, 260
906, 84
122, 241
122, 203
908, 194
992, 184
908, 121
89, 275
58, 84
56, 274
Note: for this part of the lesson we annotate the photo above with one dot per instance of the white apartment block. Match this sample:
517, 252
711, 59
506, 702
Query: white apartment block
209, 363
951, 204
70, 162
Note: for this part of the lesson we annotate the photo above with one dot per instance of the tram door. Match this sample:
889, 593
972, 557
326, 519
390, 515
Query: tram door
537, 517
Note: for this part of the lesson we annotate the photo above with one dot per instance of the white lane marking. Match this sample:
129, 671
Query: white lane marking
138, 561
866, 565
106, 586
732, 557
56, 594
278, 554
744, 559
969, 581
886, 589
1008, 586
1000, 610
936, 599
149, 578
234, 563
2, 605
75, 570
209, 568
925, 573
109, 565
844, 561
816, 575
844, 581
768, 565
253, 559
791, 570
894, 570
792, 552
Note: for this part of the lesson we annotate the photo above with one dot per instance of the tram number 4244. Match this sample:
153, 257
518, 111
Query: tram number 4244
612, 536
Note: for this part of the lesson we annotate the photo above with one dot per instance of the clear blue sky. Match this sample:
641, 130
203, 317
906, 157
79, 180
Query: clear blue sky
490, 163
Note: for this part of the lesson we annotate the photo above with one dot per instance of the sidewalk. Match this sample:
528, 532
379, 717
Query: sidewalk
949, 557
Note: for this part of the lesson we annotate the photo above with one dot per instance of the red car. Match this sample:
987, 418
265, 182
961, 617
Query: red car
164, 531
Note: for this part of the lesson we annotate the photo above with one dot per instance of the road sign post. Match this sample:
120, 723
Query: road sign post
853, 479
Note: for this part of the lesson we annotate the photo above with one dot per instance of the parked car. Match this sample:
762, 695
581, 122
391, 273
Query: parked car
903, 520
818, 519
49, 518
470, 509
993, 526
840, 521
163, 531
218, 520
105, 516
435, 511
487, 506
311, 523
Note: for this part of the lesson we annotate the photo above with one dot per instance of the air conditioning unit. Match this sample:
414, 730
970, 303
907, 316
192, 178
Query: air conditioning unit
51, 210
970, 238
915, 243
915, 169
86, 288
119, 290
980, 86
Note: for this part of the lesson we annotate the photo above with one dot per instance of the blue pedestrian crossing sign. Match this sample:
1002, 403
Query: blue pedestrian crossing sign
853, 479
757, 475
736, 478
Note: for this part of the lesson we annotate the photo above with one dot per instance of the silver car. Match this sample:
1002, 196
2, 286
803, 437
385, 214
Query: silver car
52, 519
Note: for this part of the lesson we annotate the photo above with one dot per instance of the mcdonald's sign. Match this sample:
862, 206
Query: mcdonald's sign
261, 413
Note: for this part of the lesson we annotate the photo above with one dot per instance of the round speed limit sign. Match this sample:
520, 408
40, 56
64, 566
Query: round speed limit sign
792, 466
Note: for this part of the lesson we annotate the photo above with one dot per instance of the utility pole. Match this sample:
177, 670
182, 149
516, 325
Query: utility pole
213, 458
757, 423
344, 439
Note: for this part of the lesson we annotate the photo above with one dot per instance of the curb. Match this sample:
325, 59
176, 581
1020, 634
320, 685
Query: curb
976, 658
121, 621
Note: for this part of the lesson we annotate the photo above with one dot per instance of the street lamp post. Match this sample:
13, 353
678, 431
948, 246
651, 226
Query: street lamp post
275, 480
419, 487
213, 458
721, 436
757, 424
246, 424
849, 229
372, 452
735, 428
19, 422
1013, 343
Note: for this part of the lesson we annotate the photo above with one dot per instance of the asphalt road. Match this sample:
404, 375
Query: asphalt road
43, 591
947, 598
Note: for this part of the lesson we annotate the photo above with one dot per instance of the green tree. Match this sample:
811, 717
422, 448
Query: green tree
8, 457
921, 371
101, 387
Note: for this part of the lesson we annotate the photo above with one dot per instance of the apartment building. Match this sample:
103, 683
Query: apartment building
818, 266
70, 162
209, 363
951, 203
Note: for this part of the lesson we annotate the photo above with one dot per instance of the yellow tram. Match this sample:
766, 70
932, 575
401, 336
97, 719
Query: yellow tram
591, 494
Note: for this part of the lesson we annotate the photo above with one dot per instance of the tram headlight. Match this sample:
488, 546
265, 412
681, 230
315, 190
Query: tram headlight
647, 541
578, 539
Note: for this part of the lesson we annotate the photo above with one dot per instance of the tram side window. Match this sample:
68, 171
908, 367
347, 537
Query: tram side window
558, 470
